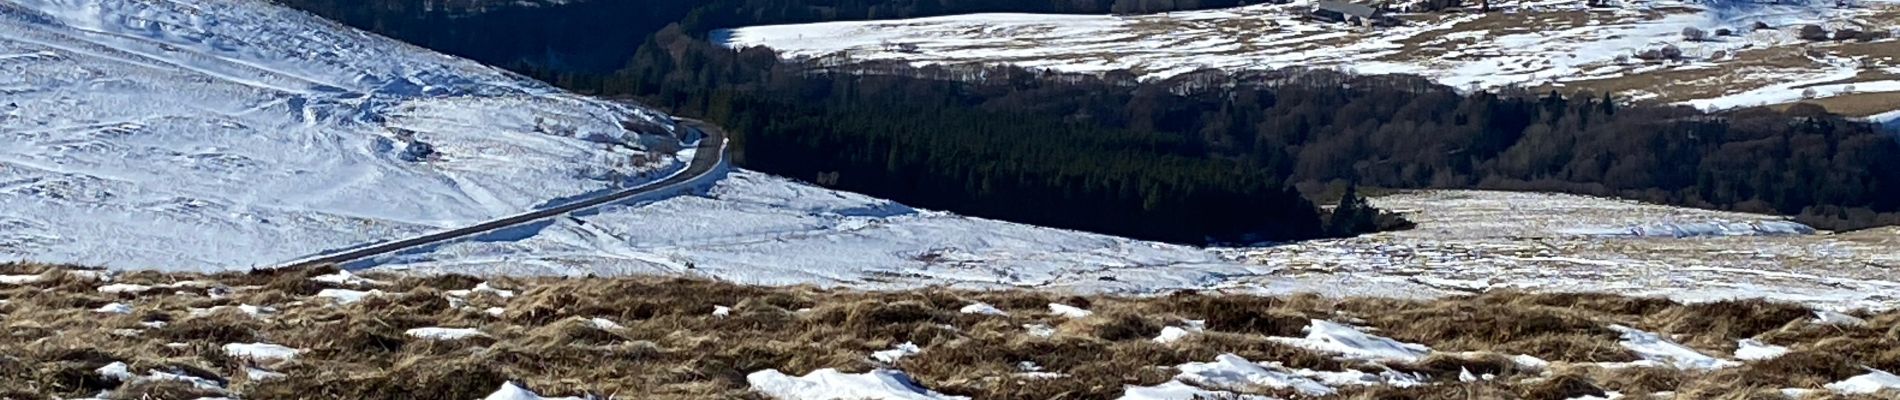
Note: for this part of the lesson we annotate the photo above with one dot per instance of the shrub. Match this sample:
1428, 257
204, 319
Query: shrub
1813, 33
1847, 34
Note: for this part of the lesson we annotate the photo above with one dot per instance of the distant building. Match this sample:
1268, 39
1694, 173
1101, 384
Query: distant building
1352, 13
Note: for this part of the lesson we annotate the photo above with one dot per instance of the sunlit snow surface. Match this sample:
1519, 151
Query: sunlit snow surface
196, 135
1528, 43
755, 228
202, 134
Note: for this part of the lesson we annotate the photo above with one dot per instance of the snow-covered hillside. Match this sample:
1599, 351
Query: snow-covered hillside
210, 135
204, 134
1539, 44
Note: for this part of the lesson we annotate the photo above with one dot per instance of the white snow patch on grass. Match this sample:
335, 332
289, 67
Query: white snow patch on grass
260, 374
482, 288
1232, 372
1040, 330
1068, 311
1825, 317
261, 351
509, 391
1653, 347
1172, 334
829, 384
981, 308
1874, 381
116, 370
604, 324
346, 296
889, 357
1755, 350
114, 308
1176, 390
344, 277
117, 288
1351, 343
247, 309
439, 333
20, 279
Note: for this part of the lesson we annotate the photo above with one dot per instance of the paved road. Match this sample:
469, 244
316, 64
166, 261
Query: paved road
710, 153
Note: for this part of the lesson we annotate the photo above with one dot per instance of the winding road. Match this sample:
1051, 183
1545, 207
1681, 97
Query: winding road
707, 157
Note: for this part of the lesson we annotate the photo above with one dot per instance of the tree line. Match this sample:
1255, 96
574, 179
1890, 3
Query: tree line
1217, 155
598, 36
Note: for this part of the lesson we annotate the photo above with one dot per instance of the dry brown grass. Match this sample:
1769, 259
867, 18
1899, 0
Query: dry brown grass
670, 346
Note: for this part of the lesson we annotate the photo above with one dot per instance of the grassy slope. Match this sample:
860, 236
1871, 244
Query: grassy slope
672, 347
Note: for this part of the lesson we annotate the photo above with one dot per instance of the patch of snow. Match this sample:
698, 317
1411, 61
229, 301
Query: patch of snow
1700, 229
439, 333
124, 288
1232, 372
604, 324
889, 357
1176, 390
495, 311
1172, 334
1825, 317
197, 382
509, 391
482, 288
260, 374
829, 384
1530, 362
346, 296
20, 279
1874, 381
1040, 330
722, 311
345, 278
114, 308
1068, 311
982, 309
1029, 370
1755, 350
1361, 378
116, 371
1349, 342
247, 309
1653, 347
261, 351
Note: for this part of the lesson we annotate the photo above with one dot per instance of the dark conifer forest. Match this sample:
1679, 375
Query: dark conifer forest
1204, 156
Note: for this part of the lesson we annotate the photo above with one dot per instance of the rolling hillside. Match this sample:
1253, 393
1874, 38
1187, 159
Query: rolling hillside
1638, 49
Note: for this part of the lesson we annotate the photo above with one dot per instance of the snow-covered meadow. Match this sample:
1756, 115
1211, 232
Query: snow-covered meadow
759, 229
1540, 44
